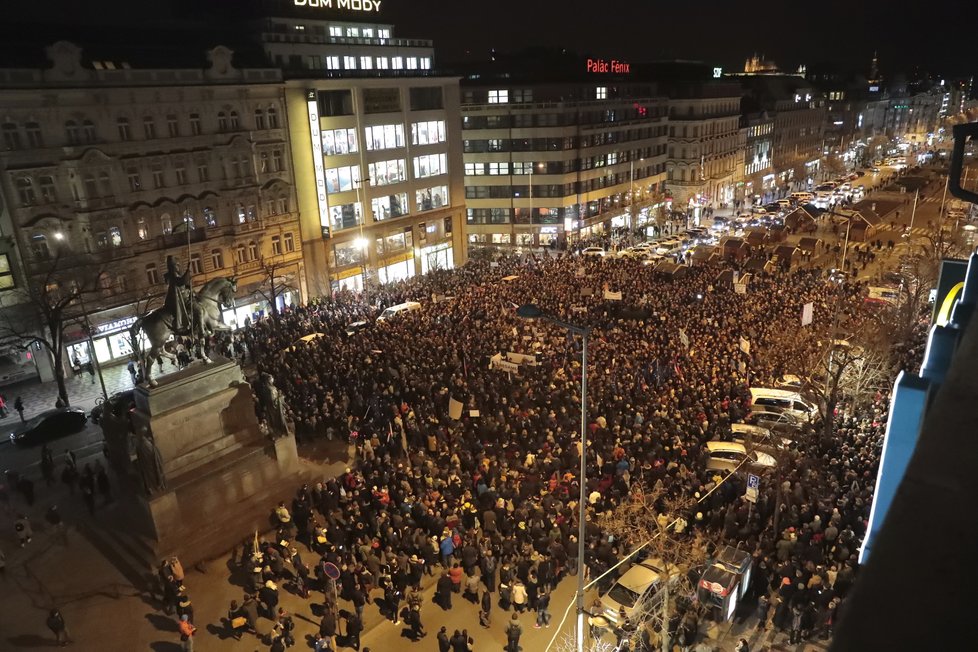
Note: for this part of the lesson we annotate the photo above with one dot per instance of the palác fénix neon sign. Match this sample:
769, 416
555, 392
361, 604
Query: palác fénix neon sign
614, 67
350, 5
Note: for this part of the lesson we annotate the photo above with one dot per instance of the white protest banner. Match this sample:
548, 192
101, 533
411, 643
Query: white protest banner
740, 288
520, 358
612, 296
745, 345
454, 409
807, 313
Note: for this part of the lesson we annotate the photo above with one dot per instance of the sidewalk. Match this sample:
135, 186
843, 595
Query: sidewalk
83, 391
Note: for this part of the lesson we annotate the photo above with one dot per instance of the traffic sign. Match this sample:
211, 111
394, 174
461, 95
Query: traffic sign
753, 482
332, 572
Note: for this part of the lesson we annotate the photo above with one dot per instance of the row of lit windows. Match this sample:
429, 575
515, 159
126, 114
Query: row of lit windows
386, 207
348, 62
381, 137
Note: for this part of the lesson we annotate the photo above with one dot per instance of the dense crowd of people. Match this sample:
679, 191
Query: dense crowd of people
467, 469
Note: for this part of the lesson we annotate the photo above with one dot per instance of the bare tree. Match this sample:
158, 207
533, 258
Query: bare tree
273, 285
832, 165
52, 296
656, 518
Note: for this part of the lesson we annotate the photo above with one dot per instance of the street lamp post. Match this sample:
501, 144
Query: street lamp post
531, 311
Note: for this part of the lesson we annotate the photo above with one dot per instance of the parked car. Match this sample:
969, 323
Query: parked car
637, 590
593, 251
48, 425
732, 456
407, 306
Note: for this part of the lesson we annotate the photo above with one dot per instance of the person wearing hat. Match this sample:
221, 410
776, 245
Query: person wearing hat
268, 596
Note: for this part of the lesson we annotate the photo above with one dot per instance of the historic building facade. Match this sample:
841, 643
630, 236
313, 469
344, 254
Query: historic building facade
108, 168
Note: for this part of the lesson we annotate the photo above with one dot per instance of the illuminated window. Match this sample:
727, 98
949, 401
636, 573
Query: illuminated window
6, 274
428, 133
430, 198
499, 97
335, 31
601, 93
332, 63
426, 63
397, 63
430, 165
412, 63
342, 179
384, 173
349, 63
384, 137
339, 141
115, 236
366, 63
383, 33
383, 63
389, 206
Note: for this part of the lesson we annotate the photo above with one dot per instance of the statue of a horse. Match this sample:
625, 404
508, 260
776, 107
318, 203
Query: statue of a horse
215, 295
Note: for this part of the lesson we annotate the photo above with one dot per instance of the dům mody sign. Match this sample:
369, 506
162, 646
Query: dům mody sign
348, 5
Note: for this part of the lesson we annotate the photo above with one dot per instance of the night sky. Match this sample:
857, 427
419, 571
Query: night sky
937, 36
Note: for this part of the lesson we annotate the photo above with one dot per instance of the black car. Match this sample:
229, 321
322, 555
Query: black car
49, 425
120, 402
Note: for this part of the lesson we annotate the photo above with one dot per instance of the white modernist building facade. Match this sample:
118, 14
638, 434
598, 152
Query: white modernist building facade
551, 163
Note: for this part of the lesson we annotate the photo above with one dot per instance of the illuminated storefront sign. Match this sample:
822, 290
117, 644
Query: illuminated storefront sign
350, 5
717, 73
317, 160
614, 66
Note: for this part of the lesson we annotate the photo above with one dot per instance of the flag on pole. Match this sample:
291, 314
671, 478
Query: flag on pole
745, 345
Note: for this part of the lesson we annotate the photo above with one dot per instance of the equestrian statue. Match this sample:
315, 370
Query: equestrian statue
184, 314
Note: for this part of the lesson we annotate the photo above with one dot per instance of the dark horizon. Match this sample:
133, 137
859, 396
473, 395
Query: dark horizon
721, 34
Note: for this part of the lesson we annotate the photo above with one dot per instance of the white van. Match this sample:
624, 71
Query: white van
802, 197
784, 401
407, 306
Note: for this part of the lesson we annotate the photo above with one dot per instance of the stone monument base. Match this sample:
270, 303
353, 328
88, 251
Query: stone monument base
223, 477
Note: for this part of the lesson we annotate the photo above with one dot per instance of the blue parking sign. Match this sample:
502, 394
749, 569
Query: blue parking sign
753, 482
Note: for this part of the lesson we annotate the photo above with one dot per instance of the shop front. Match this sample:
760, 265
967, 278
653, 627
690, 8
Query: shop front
254, 306
439, 256
111, 340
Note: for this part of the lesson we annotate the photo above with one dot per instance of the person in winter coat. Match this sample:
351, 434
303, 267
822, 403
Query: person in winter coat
519, 596
485, 610
513, 632
444, 644
443, 594
56, 623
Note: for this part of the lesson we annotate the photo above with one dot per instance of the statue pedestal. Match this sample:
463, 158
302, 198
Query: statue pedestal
223, 477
